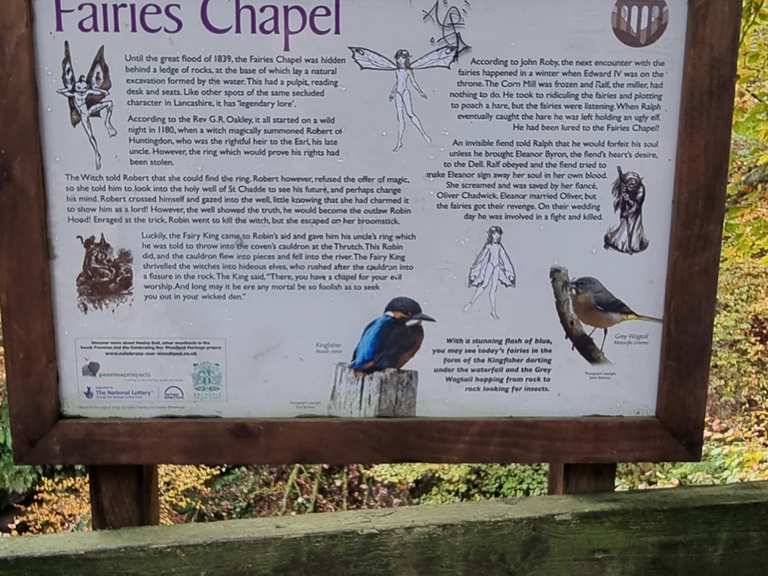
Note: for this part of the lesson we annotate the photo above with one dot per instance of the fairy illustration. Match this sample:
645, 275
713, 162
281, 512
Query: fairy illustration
492, 267
88, 96
628, 236
403, 67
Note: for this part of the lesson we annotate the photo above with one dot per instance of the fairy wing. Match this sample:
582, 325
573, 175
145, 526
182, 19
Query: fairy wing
98, 79
478, 268
67, 71
508, 277
98, 76
68, 79
441, 57
371, 60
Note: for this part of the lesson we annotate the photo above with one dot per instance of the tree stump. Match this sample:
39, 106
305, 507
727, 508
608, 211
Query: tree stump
387, 394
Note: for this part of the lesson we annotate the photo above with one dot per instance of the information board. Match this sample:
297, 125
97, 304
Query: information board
237, 189
330, 231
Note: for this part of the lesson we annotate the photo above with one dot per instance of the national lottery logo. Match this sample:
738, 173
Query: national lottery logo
207, 377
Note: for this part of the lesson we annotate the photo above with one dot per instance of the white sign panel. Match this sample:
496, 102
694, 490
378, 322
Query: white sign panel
357, 208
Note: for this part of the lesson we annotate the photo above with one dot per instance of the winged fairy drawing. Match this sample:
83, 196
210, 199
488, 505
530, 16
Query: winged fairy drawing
88, 96
404, 67
492, 268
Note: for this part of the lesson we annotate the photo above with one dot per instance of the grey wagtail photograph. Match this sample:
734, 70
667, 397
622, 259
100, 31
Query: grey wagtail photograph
596, 306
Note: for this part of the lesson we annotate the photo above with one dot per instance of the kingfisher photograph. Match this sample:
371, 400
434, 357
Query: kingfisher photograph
373, 384
392, 339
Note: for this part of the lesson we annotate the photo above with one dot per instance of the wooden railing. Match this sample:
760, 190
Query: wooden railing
698, 531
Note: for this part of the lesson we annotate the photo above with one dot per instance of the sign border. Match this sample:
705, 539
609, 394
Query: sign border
42, 436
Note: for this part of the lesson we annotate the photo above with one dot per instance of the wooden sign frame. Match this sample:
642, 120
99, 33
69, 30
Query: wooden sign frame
42, 436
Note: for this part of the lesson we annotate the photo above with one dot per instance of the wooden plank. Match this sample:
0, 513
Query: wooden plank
25, 289
701, 175
124, 496
712, 531
581, 478
340, 441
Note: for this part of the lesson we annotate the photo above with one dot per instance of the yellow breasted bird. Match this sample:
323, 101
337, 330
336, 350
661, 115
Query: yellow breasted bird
596, 306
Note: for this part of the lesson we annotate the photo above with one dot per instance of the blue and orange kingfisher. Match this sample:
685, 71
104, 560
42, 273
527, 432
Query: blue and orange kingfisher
392, 339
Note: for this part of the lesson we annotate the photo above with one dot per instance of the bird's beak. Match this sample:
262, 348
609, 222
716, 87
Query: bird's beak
422, 316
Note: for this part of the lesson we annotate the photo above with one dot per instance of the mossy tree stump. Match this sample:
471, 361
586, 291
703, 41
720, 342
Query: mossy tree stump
390, 393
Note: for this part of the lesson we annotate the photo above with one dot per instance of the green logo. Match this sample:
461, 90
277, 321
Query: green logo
207, 377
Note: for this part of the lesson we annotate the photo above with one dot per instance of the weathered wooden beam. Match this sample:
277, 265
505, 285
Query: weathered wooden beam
720, 530
360, 440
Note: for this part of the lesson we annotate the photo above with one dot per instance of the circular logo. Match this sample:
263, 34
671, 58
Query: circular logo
639, 23
173, 393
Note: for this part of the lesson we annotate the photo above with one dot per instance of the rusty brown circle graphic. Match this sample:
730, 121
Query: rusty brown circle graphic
639, 23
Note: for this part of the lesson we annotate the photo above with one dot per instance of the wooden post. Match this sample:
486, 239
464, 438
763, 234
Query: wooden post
124, 496
390, 393
581, 478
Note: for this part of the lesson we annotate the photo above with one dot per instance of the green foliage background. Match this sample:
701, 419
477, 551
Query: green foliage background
736, 447
14, 480
746, 224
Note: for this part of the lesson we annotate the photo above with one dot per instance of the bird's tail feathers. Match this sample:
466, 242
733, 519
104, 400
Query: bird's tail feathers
644, 318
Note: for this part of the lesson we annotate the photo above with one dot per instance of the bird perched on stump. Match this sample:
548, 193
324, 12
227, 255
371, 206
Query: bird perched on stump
391, 339
596, 306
